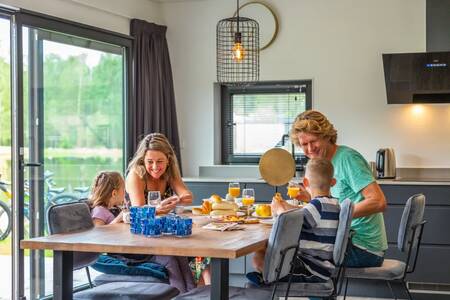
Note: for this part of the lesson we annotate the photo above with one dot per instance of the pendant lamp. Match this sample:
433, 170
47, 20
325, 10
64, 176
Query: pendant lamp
237, 50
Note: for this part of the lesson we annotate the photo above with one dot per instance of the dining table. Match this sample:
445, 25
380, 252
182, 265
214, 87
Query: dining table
220, 246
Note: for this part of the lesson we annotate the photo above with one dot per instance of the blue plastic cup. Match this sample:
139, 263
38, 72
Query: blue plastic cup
149, 212
183, 227
153, 227
170, 224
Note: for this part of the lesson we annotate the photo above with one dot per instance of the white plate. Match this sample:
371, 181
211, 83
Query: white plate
260, 217
267, 221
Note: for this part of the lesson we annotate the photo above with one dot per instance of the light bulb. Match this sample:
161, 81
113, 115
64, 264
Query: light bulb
238, 52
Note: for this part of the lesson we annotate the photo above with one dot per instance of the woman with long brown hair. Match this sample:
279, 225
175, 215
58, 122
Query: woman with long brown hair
154, 167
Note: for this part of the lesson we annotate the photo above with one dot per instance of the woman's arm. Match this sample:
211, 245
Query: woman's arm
135, 187
374, 201
182, 191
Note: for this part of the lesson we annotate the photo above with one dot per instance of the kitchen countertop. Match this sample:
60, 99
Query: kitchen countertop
397, 181
250, 174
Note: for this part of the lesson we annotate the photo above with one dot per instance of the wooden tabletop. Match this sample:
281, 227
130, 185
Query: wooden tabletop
118, 239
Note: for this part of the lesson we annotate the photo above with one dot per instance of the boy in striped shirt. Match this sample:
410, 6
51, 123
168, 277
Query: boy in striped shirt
321, 218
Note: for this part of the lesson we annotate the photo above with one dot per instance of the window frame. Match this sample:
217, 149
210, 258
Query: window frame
262, 87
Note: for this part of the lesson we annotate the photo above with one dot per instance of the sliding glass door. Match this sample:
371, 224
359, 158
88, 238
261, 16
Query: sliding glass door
69, 114
5, 160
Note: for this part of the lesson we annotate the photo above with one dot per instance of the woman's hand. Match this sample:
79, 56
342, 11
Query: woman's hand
303, 194
167, 205
118, 219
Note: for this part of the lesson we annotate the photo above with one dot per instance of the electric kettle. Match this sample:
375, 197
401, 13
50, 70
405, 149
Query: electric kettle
385, 163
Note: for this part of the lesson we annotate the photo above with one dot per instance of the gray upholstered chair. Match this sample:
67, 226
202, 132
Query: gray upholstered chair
328, 288
408, 242
282, 246
76, 216
70, 217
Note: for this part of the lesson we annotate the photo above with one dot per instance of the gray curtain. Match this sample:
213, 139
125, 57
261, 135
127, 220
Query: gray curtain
153, 108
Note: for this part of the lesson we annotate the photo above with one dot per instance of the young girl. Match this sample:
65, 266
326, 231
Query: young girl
108, 190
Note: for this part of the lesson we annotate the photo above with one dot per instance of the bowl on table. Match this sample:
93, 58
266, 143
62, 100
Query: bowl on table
200, 220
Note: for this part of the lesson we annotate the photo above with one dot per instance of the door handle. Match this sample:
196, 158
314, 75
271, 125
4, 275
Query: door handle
32, 164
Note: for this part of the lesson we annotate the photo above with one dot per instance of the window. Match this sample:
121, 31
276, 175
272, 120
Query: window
255, 118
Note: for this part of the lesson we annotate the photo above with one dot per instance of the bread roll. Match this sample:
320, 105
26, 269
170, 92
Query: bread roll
215, 198
225, 205
197, 211
223, 212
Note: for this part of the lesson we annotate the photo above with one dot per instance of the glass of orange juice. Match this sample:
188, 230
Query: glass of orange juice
293, 190
234, 189
248, 198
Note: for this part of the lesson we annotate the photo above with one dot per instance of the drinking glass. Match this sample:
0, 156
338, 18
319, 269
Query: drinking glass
293, 191
154, 198
248, 198
234, 189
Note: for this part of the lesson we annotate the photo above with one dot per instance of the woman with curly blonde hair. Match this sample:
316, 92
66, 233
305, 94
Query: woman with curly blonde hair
154, 167
317, 137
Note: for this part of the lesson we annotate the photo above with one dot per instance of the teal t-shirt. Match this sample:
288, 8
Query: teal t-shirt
352, 173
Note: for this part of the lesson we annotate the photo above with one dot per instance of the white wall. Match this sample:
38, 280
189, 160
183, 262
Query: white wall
338, 44
113, 15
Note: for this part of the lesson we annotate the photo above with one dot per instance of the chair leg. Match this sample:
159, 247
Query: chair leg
390, 288
89, 277
345, 289
406, 289
288, 287
274, 290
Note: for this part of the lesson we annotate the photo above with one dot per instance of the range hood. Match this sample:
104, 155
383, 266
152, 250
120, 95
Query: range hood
423, 77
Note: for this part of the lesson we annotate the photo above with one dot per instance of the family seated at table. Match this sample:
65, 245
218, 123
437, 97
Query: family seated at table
332, 170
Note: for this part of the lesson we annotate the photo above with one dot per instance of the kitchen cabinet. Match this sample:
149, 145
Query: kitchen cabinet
433, 263
434, 257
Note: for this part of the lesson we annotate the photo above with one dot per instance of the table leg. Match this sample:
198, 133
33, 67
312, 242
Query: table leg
62, 275
219, 279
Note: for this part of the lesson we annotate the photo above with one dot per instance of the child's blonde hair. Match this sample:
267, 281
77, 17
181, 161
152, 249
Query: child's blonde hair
319, 172
103, 186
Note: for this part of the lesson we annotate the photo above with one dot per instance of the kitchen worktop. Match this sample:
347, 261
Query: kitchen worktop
398, 181
405, 176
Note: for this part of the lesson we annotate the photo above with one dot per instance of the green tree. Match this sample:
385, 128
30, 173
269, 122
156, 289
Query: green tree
5, 103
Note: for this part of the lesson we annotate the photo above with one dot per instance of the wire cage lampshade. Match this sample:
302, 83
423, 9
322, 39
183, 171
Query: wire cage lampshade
237, 50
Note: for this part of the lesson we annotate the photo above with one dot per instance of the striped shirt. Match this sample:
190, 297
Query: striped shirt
321, 218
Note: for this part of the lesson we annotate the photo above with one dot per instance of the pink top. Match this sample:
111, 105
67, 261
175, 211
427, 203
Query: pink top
102, 213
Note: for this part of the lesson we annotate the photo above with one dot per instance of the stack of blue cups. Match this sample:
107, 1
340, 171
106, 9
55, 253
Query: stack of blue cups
143, 220
140, 218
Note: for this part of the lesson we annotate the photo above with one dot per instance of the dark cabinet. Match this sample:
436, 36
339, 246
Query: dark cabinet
433, 263
434, 258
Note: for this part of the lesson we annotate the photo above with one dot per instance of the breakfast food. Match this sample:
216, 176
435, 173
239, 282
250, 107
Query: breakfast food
225, 205
197, 211
263, 210
223, 212
215, 198
278, 197
206, 207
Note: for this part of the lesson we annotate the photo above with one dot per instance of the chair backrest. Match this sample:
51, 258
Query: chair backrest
71, 217
285, 233
412, 215
343, 230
